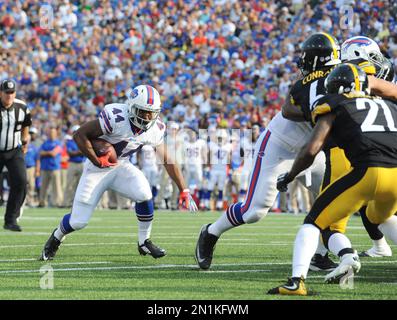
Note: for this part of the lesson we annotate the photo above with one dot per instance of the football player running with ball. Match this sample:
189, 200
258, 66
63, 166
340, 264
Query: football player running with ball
128, 127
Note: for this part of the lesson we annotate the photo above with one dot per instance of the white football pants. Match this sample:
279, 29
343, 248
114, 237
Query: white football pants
125, 178
271, 158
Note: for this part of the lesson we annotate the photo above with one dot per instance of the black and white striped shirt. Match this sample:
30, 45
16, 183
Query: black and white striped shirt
12, 120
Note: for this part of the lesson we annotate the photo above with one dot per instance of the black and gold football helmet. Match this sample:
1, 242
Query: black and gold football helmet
346, 78
319, 51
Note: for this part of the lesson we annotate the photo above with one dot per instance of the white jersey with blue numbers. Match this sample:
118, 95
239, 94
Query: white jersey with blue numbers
219, 156
248, 148
194, 153
118, 130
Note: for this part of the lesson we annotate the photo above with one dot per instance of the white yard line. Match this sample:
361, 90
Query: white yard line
163, 266
38, 218
225, 243
56, 263
185, 235
230, 243
235, 271
169, 266
17, 260
133, 226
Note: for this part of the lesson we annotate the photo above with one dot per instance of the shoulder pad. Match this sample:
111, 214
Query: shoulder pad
366, 65
327, 104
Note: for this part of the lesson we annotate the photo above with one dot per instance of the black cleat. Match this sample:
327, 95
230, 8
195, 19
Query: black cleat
322, 263
12, 227
148, 247
205, 248
50, 248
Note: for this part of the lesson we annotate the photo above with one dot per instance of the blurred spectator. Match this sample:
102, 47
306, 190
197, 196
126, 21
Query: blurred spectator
64, 165
50, 167
32, 159
75, 169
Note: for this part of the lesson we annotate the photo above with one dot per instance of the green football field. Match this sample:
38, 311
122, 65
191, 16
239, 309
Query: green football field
102, 261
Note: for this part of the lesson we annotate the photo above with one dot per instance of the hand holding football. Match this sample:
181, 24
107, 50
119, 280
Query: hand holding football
101, 147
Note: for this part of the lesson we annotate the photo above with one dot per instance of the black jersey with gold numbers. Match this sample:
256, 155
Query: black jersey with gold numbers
365, 127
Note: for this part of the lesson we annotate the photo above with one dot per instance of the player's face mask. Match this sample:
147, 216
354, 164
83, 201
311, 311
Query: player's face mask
143, 119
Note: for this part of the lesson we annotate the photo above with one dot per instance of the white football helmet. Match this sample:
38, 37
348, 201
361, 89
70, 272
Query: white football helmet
222, 135
140, 100
362, 48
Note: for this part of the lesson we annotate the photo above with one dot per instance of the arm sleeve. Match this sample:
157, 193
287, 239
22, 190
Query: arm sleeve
294, 97
28, 119
106, 120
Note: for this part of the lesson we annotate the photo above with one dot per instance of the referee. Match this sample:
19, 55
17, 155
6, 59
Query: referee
14, 131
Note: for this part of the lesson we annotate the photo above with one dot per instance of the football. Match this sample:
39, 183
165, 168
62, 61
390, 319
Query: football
102, 147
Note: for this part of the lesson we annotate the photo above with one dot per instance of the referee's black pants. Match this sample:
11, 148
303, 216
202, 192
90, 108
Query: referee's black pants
14, 160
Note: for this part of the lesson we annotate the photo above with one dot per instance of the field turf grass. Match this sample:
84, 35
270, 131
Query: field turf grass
102, 261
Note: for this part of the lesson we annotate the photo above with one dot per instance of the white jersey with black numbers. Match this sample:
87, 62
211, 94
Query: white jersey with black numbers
119, 131
293, 135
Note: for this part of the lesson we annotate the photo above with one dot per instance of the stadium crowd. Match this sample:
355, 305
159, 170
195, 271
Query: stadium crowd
218, 63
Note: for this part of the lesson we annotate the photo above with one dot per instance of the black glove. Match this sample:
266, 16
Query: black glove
282, 182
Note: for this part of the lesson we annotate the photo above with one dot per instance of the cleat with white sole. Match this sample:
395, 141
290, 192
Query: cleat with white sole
350, 262
148, 247
377, 252
293, 287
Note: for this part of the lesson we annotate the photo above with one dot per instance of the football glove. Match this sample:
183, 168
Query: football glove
282, 182
186, 201
104, 161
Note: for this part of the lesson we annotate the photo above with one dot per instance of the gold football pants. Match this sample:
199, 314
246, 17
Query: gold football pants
337, 165
371, 186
